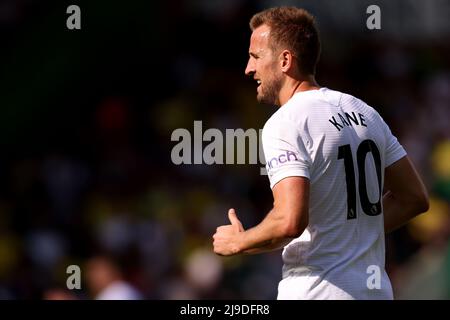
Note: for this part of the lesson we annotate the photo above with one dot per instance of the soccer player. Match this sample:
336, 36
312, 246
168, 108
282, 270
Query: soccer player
329, 157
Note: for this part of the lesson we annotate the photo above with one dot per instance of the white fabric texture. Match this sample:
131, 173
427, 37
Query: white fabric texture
330, 138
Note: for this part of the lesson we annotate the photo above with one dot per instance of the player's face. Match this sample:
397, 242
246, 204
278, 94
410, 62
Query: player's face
262, 65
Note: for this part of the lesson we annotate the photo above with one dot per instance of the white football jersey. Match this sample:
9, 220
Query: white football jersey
342, 146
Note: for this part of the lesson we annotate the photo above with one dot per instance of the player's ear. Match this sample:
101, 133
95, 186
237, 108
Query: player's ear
286, 60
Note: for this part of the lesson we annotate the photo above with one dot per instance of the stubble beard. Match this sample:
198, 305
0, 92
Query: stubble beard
270, 91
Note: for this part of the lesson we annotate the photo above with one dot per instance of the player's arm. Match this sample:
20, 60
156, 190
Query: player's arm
287, 220
406, 195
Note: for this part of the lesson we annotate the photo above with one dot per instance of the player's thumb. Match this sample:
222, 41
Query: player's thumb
234, 219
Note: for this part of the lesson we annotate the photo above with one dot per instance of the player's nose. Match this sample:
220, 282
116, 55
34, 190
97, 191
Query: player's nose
250, 69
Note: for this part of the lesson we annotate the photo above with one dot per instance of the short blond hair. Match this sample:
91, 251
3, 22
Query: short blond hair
293, 29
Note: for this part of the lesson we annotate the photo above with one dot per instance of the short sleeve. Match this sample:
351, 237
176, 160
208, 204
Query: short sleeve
284, 151
394, 150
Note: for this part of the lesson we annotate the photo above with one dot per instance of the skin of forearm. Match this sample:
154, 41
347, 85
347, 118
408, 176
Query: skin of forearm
271, 234
396, 212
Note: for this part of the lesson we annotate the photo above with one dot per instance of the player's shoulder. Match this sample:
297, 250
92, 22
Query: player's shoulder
296, 110
313, 105
354, 106
299, 105
350, 103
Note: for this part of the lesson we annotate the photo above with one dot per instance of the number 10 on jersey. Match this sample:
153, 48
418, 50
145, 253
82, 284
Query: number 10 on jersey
345, 152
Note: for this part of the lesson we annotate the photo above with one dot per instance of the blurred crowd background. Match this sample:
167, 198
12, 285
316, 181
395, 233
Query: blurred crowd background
86, 118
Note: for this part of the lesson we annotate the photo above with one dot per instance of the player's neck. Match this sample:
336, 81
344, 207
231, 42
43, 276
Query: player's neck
292, 86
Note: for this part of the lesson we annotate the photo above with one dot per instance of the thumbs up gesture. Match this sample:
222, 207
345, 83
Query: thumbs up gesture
227, 238
234, 220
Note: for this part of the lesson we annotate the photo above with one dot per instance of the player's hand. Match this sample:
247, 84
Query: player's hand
226, 239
